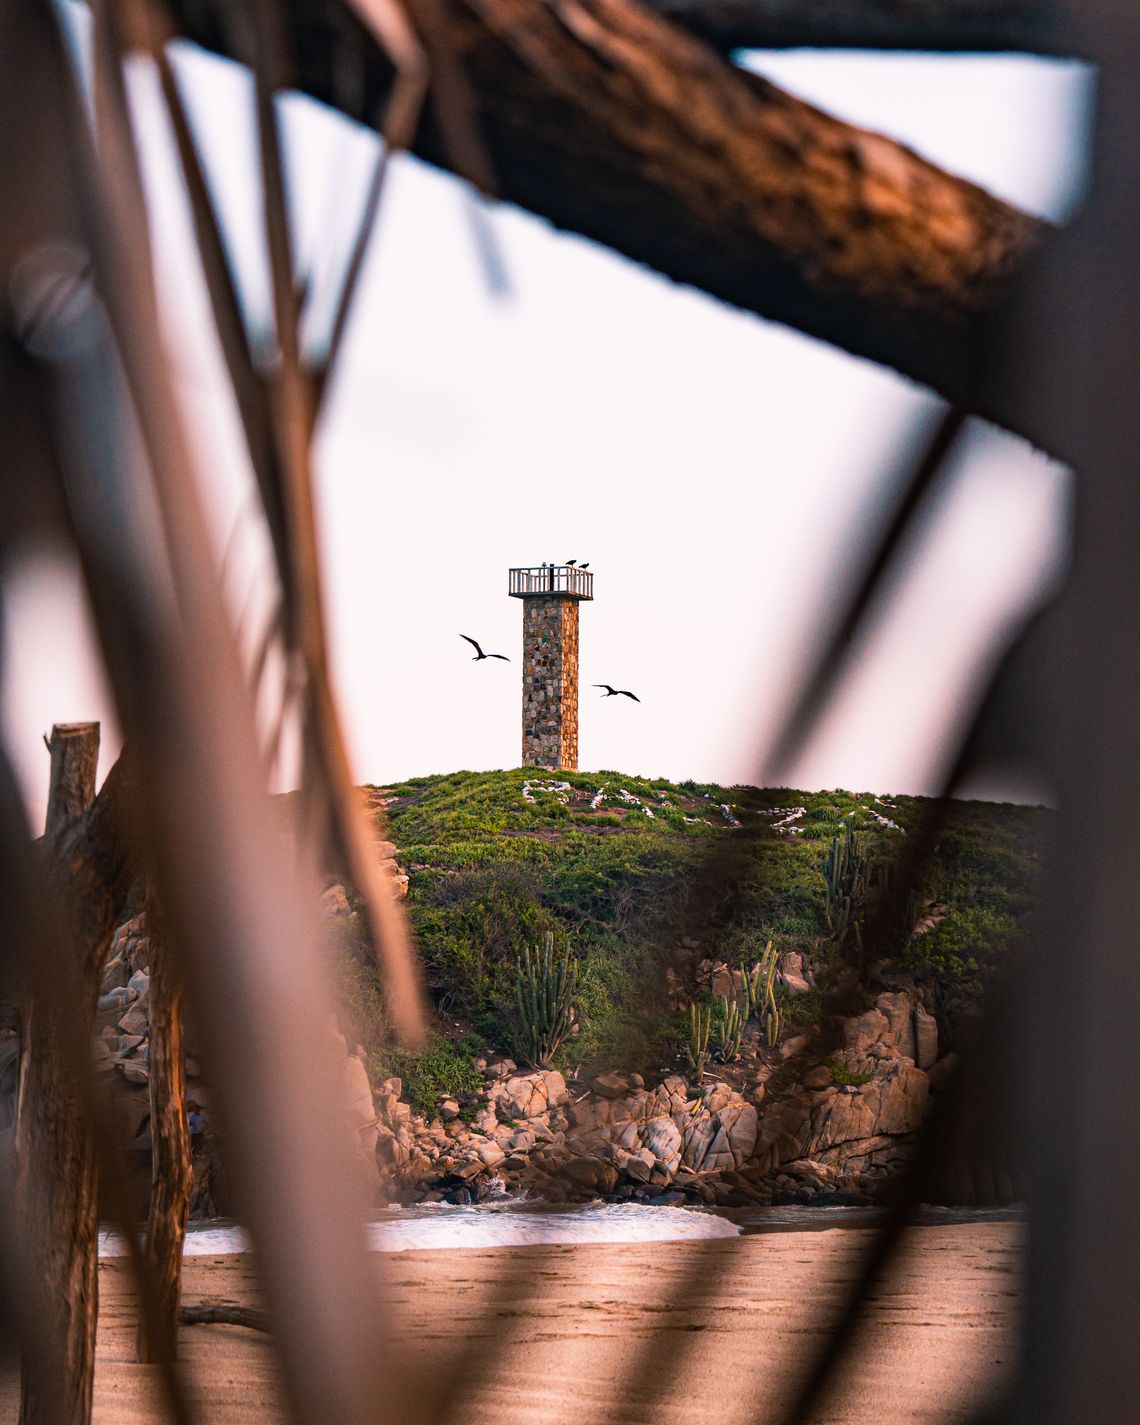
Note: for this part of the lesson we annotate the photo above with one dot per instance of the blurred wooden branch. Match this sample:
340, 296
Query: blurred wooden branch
608, 120
1026, 26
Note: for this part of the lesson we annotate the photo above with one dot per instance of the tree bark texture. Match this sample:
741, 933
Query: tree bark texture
74, 751
170, 1173
89, 868
609, 121
1027, 26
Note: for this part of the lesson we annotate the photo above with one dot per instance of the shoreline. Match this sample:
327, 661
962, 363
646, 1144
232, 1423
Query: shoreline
509, 1222
727, 1327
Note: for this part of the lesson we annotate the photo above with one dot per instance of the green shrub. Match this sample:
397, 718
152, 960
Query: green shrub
439, 1070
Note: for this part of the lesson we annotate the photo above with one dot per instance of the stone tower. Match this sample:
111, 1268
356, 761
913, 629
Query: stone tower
551, 595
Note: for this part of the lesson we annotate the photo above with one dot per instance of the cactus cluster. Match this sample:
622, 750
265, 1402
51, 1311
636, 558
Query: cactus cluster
724, 1022
862, 886
728, 1029
545, 1001
700, 1026
759, 986
847, 869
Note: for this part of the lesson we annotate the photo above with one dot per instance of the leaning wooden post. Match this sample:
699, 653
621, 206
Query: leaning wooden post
57, 1184
74, 750
170, 1174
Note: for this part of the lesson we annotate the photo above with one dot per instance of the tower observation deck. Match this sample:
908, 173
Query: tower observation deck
551, 594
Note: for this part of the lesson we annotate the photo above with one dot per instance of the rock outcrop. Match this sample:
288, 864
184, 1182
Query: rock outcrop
815, 1118
829, 1130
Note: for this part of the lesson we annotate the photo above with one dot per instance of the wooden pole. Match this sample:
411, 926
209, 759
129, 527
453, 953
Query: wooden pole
57, 1188
170, 1174
74, 749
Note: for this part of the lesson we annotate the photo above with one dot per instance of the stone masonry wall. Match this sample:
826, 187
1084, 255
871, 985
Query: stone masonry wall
550, 682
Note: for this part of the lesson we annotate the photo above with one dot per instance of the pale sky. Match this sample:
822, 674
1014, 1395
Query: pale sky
712, 467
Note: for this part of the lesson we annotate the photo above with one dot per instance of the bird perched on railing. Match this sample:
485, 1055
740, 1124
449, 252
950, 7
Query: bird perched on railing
479, 654
617, 692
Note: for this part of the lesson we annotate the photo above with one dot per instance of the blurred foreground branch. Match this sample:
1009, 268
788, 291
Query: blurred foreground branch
606, 119
1025, 26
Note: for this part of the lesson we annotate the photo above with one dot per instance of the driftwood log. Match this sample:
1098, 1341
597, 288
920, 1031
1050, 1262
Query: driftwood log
216, 1314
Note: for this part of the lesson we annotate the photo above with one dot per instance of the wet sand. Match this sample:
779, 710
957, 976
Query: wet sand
662, 1333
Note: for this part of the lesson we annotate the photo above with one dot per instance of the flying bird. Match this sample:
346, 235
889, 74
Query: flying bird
617, 692
479, 652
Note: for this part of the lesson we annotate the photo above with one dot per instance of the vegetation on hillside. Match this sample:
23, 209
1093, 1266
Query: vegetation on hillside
633, 875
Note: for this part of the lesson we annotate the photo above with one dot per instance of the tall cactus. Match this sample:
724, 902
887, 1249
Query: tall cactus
700, 1024
545, 1000
752, 986
728, 1027
768, 966
848, 871
759, 986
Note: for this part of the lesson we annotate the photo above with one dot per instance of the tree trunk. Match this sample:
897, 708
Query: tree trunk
170, 1173
57, 1182
89, 867
59, 1213
74, 749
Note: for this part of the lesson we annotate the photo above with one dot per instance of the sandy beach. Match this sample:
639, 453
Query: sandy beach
709, 1331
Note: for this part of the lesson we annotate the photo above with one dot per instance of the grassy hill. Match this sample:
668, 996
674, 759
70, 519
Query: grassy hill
642, 879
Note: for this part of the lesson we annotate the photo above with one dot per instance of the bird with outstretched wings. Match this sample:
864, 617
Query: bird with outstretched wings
479, 654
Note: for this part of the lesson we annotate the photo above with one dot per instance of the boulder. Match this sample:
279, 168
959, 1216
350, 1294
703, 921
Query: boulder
334, 903
525, 1095
719, 1142
925, 1038
863, 1030
663, 1139
556, 1091
899, 1012
741, 1123
491, 1154
115, 1000
116, 974
611, 1085
136, 1020
593, 1174
448, 1109
640, 1165
892, 1103
792, 973
725, 982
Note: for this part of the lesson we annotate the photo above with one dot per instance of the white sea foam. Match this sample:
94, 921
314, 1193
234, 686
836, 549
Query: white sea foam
449, 1228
